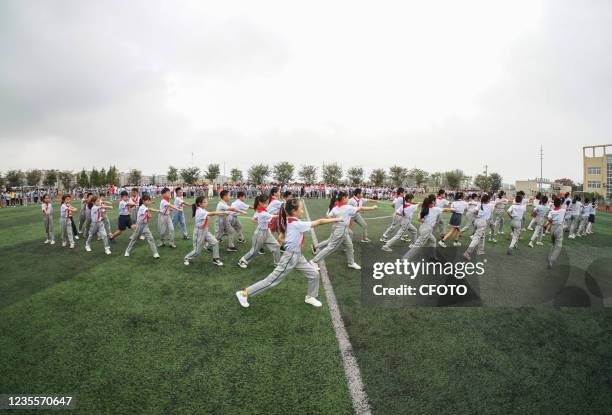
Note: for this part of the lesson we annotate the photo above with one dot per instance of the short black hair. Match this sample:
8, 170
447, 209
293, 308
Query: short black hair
165, 190
240, 194
223, 193
123, 193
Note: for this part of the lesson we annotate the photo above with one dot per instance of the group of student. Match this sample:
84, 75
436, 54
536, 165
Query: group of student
482, 213
280, 229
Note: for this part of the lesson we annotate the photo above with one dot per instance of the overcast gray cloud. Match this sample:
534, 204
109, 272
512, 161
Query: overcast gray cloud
436, 86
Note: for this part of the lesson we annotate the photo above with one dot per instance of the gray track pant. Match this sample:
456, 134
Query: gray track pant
557, 240
538, 234
178, 220
166, 229
583, 223
48, 222
515, 226
142, 229
237, 226
479, 237
425, 239
224, 228
408, 229
97, 228
288, 262
66, 231
395, 223
340, 236
263, 238
359, 220
574, 225
200, 237
497, 223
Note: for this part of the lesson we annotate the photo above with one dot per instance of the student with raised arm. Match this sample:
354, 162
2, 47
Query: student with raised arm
292, 258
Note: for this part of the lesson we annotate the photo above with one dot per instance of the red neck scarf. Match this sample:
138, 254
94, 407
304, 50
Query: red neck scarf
340, 204
259, 210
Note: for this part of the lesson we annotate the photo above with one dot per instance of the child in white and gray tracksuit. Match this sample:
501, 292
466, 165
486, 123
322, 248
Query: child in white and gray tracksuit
407, 228
223, 224
429, 215
262, 235
516, 211
292, 258
541, 213
178, 215
65, 224
97, 225
340, 235
164, 222
358, 201
142, 227
47, 212
396, 221
483, 215
201, 235
556, 217
234, 216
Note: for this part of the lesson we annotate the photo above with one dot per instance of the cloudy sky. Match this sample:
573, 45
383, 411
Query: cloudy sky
437, 85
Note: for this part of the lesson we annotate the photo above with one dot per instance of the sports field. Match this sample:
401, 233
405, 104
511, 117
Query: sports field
138, 335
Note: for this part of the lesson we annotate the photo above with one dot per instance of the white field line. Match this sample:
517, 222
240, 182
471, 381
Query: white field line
351, 369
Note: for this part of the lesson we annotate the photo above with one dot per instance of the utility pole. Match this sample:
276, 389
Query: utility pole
192, 159
541, 165
486, 170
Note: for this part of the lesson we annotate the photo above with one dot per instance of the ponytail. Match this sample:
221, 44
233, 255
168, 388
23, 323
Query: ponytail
425, 208
332, 202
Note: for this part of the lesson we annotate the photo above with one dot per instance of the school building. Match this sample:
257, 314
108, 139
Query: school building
532, 187
597, 161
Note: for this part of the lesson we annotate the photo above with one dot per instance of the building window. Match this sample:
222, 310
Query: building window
594, 170
594, 185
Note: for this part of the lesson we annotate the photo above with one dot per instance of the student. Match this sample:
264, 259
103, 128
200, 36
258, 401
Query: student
567, 223
97, 224
357, 201
483, 215
516, 211
472, 203
541, 212
396, 221
47, 214
407, 228
576, 209
164, 223
201, 235
142, 227
428, 217
234, 221
340, 235
458, 208
556, 217
497, 219
86, 207
65, 225
104, 206
83, 213
178, 215
223, 225
292, 258
538, 197
125, 219
136, 202
592, 213
442, 203
584, 217
274, 206
262, 235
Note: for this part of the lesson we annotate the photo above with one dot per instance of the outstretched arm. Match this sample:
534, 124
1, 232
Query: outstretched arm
324, 221
366, 208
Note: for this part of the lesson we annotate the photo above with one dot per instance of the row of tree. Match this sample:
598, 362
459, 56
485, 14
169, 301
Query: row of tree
283, 172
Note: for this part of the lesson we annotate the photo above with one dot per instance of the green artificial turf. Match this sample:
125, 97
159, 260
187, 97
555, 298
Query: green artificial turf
138, 335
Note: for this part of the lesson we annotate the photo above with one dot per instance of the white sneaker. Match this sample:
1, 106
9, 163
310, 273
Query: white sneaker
87, 248
531, 244
107, 251
186, 262
529, 228
242, 299
312, 301
315, 265
155, 255
456, 243
76, 237
64, 244
442, 244
494, 240
142, 238
383, 240
126, 254
52, 242
242, 263
540, 243
47, 241
386, 248
71, 246
354, 265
